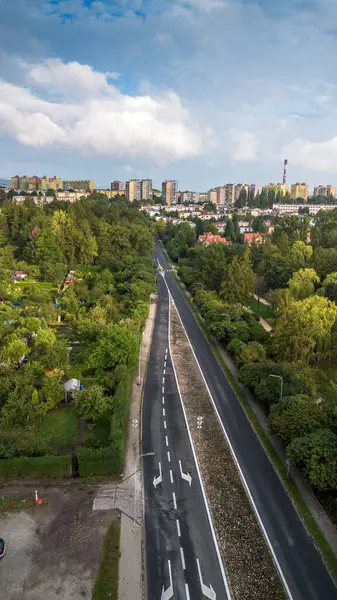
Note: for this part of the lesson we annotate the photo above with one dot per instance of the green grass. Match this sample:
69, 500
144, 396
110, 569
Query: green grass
302, 508
48, 467
261, 310
14, 505
106, 585
59, 429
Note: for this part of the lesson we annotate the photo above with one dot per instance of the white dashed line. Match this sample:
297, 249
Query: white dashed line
163, 400
166, 351
163, 379
168, 456
187, 590
178, 528
165, 364
163, 412
182, 558
171, 476
174, 501
164, 372
164, 424
162, 390
166, 440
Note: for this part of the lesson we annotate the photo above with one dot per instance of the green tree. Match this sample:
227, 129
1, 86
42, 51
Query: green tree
303, 329
302, 284
91, 403
316, 456
118, 347
296, 416
13, 351
239, 284
253, 352
258, 225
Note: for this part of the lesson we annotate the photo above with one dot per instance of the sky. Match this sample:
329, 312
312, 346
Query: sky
204, 91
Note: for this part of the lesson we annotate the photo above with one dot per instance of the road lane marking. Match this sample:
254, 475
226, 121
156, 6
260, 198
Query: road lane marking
216, 545
178, 528
182, 558
171, 476
166, 351
164, 372
164, 424
168, 593
163, 412
162, 390
168, 456
165, 364
206, 590
187, 590
163, 379
174, 500
159, 479
166, 440
163, 400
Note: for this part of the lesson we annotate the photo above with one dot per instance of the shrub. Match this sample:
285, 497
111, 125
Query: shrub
316, 455
13, 444
99, 461
295, 417
36, 466
253, 352
235, 348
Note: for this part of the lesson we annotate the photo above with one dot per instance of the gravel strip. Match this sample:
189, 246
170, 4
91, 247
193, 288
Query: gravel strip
251, 570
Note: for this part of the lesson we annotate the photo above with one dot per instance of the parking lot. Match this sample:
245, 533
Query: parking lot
53, 551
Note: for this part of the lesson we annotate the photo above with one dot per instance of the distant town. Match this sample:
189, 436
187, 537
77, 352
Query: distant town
278, 198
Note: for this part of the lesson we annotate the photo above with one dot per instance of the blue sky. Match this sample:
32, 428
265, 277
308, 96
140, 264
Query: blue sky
203, 91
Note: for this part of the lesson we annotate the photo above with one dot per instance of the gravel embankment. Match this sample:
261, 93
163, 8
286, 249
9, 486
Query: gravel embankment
251, 570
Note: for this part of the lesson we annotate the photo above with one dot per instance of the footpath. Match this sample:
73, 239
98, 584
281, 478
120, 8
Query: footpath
316, 509
127, 494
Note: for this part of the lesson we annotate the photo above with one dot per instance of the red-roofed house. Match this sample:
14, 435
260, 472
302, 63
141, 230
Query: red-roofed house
253, 238
210, 238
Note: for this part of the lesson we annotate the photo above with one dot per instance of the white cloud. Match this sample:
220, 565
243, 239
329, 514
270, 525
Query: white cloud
244, 145
104, 122
314, 156
71, 77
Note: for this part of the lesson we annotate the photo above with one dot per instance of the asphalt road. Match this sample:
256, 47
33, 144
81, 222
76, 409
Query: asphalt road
301, 564
177, 529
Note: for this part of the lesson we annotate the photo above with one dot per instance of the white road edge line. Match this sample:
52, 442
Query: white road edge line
171, 476
174, 500
168, 456
166, 440
178, 528
187, 590
222, 569
182, 558
245, 484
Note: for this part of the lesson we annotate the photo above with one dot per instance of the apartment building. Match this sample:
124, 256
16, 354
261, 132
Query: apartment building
118, 186
276, 187
146, 190
133, 190
212, 196
299, 190
79, 185
324, 190
169, 191
35, 184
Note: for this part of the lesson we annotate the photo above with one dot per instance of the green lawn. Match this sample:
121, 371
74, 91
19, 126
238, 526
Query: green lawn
59, 429
106, 586
261, 309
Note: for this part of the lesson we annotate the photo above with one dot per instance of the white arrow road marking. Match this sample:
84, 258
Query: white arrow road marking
159, 479
207, 591
185, 476
167, 594
187, 590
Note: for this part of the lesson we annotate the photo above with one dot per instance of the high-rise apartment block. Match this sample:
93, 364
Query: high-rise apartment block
324, 190
133, 190
118, 186
169, 191
278, 188
299, 190
81, 185
146, 190
212, 196
35, 184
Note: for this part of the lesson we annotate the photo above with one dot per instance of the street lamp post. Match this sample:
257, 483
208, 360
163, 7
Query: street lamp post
135, 481
281, 379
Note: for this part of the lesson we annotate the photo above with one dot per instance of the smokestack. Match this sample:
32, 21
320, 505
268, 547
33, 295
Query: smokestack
285, 172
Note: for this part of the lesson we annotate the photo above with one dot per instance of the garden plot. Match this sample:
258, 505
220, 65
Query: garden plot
250, 568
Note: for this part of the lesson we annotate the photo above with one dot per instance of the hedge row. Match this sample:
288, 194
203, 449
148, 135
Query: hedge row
119, 419
98, 461
36, 466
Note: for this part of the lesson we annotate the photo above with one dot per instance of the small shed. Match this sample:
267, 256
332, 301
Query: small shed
71, 386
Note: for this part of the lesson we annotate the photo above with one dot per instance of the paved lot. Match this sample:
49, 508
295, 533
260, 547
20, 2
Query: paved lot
53, 552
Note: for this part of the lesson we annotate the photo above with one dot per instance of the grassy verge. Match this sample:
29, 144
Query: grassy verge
261, 309
106, 585
8, 505
301, 506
